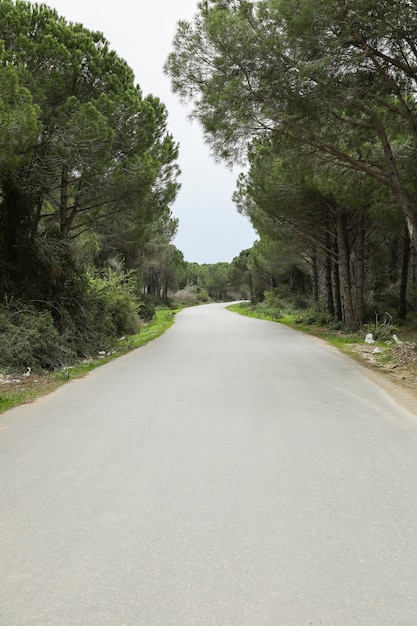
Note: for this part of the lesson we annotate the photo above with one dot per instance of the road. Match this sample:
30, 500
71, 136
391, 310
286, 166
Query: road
233, 472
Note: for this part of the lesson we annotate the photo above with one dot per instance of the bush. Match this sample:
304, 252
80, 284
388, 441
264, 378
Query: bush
273, 299
28, 338
203, 295
185, 297
381, 332
269, 312
314, 317
147, 308
106, 309
282, 298
114, 305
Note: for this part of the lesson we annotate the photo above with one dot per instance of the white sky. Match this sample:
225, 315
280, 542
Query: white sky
141, 32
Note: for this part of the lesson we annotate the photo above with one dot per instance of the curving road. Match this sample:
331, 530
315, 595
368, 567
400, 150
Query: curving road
231, 473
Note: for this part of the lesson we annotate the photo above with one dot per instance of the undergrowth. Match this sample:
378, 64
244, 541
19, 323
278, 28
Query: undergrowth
41, 382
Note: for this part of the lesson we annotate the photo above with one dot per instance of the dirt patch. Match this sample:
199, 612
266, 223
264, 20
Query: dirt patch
393, 367
15, 389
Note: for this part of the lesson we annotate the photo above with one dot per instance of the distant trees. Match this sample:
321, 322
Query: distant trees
163, 269
247, 276
320, 96
212, 280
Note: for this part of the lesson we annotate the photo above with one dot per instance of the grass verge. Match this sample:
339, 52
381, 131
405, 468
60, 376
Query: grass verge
26, 390
337, 338
348, 343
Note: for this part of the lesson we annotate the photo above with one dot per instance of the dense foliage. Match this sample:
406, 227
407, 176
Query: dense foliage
319, 97
87, 175
316, 97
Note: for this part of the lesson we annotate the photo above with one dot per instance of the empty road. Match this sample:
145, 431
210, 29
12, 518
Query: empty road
231, 473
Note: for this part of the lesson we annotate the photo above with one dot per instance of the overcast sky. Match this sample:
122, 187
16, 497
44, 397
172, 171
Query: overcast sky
141, 32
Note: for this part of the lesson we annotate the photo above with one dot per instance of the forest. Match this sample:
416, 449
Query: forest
88, 172
316, 99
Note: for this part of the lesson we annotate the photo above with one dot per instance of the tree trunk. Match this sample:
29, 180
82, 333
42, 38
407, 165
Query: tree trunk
17, 241
252, 293
330, 308
63, 209
413, 254
344, 272
414, 267
315, 276
328, 289
336, 283
360, 271
396, 184
402, 304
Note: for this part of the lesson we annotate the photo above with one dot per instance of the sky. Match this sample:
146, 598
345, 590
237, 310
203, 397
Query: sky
141, 32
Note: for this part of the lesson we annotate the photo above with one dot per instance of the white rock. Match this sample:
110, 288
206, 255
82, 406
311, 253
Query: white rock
369, 338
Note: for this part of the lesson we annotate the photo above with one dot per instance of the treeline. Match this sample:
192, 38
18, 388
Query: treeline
263, 271
318, 97
88, 172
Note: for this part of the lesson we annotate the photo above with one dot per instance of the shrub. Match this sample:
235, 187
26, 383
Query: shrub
187, 296
203, 295
28, 338
114, 303
272, 299
269, 312
147, 308
383, 328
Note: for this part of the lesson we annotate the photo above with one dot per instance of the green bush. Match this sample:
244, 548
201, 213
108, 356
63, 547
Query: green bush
270, 313
272, 299
28, 338
147, 308
281, 298
316, 317
113, 303
104, 310
203, 295
381, 332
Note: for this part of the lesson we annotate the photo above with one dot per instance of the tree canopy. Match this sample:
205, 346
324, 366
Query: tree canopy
81, 145
88, 172
308, 91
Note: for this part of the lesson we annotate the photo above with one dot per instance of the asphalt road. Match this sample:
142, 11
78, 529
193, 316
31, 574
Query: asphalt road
231, 473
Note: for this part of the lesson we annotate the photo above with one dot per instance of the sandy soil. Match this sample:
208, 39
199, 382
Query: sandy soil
394, 368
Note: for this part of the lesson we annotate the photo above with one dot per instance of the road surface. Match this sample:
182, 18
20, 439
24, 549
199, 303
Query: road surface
231, 473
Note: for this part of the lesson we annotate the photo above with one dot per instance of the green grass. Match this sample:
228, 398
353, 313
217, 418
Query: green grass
162, 320
338, 338
335, 337
266, 314
8, 401
9, 398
